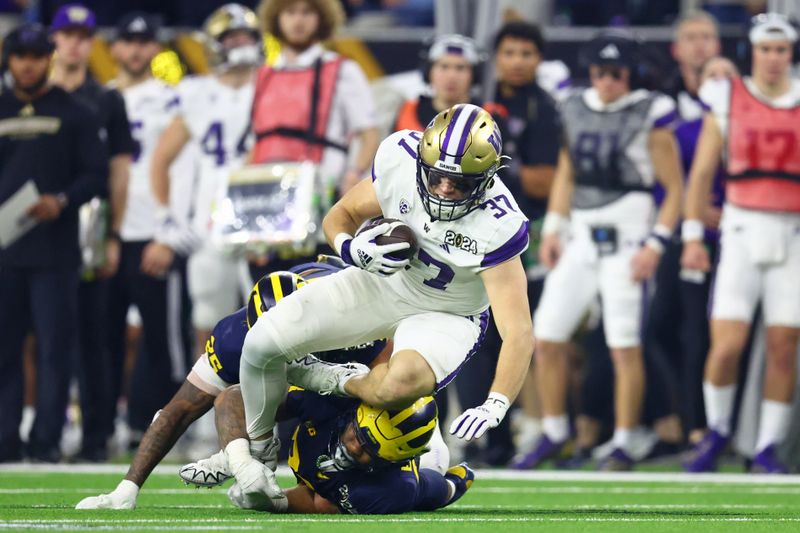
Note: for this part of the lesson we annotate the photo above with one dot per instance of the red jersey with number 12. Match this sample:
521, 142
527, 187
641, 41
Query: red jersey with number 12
763, 153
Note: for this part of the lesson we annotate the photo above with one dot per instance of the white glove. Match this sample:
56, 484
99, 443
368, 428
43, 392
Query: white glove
362, 252
121, 498
474, 422
256, 502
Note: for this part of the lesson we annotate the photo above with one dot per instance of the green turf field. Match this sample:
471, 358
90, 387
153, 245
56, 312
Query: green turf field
553, 501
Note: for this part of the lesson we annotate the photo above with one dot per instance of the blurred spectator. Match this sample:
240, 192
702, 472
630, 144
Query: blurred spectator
214, 113
151, 273
760, 243
680, 301
51, 141
694, 288
72, 30
312, 103
696, 40
617, 143
450, 67
531, 132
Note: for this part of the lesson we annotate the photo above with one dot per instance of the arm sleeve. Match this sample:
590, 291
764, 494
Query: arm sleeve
91, 162
120, 140
356, 95
542, 137
433, 491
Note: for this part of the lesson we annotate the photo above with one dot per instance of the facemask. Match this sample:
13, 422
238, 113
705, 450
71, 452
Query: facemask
342, 460
243, 55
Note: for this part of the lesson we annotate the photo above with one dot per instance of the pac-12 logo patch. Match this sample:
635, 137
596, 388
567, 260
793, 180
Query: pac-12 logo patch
404, 207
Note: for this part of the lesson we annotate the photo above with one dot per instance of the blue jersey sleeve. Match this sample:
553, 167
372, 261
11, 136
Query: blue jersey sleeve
224, 347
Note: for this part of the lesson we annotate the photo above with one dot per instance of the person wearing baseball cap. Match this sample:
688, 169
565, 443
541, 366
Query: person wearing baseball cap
137, 25
72, 31
449, 67
752, 121
47, 140
154, 243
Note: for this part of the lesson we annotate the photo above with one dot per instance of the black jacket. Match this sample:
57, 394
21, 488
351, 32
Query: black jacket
53, 141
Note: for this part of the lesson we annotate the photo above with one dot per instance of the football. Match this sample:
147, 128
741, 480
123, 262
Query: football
399, 233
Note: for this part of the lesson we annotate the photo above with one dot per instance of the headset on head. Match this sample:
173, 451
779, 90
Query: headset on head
426, 64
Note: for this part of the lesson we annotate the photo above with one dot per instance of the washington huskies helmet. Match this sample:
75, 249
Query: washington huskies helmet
268, 291
226, 19
464, 145
395, 436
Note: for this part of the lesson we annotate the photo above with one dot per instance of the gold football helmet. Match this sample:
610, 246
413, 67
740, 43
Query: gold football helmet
223, 21
461, 147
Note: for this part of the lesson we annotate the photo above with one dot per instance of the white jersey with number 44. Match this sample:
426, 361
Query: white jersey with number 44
443, 275
218, 118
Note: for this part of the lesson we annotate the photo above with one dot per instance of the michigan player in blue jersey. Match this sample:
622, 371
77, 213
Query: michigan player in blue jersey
349, 457
216, 370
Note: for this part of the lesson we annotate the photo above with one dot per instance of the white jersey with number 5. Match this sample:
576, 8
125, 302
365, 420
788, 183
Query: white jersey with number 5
217, 117
443, 275
150, 106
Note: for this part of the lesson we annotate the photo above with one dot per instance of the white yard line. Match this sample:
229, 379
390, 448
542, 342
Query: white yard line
722, 489
211, 523
510, 475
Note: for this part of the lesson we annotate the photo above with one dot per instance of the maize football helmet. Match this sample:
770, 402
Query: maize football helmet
223, 21
462, 144
395, 436
268, 291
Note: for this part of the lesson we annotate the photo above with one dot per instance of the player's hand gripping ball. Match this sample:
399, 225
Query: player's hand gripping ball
382, 246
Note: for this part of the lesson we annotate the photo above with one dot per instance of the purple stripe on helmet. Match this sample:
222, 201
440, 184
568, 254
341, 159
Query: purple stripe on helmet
449, 132
483, 322
465, 134
512, 248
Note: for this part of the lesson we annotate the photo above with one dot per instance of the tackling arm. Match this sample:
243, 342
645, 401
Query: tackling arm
188, 404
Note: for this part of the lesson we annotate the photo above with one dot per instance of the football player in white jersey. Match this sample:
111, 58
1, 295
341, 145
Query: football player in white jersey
443, 184
617, 142
149, 276
751, 125
214, 112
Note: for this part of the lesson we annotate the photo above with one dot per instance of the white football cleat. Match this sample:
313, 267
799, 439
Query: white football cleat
107, 501
208, 472
311, 373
